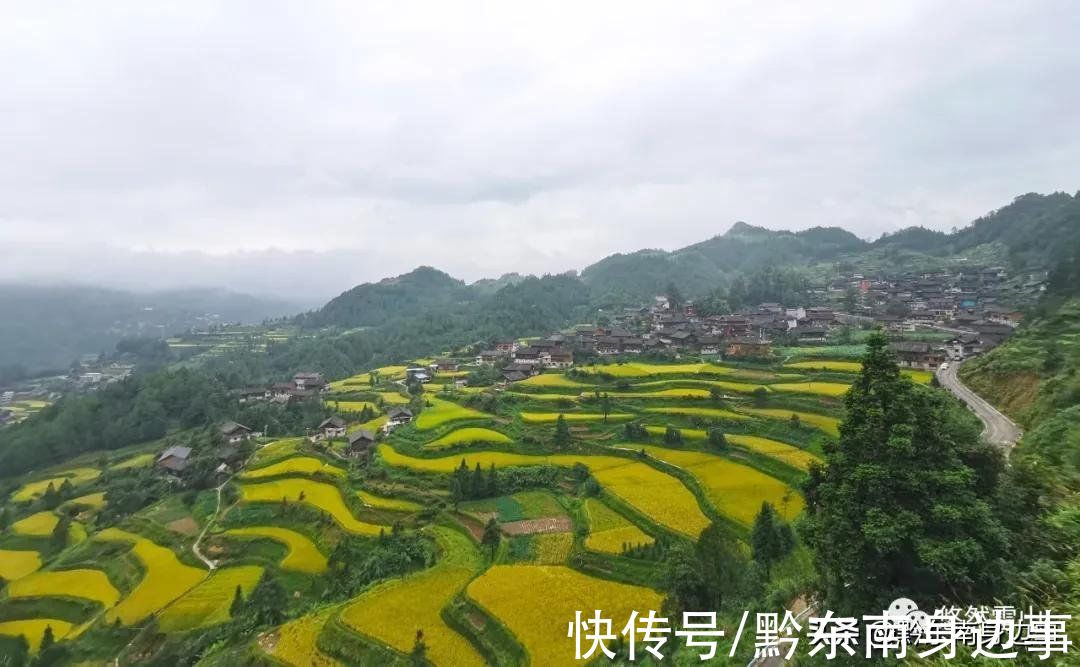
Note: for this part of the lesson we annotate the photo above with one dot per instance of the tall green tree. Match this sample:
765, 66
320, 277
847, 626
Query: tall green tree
766, 543
899, 509
268, 600
721, 565
492, 536
562, 433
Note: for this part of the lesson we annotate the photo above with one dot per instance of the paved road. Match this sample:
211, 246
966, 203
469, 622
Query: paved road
997, 428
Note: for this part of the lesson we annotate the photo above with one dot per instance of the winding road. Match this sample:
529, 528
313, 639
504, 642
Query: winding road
997, 428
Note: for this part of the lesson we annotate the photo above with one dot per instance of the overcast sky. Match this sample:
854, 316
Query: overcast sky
303, 147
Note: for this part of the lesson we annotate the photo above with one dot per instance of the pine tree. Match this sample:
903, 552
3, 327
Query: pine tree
418, 656
765, 538
47, 639
605, 406
562, 433
237, 606
268, 600
673, 436
477, 484
60, 532
492, 535
5, 518
897, 511
492, 482
51, 498
717, 439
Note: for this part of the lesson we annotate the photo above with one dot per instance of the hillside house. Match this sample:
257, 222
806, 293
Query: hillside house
559, 359
174, 459
445, 365
417, 374
527, 355
916, 354
253, 395
235, 433
398, 416
331, 427
811, 335
747, 348
506, 346
360, 443
310, 382
489, 357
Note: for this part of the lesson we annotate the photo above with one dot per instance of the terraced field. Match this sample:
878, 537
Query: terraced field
17, 564
36, 525
300, 465
82, 583
657, 495
302, 555
380, 502
774, 449
735, 490
830, 389
93, 500
166, 578
709, 413
297, 641
276, 450
441, 412
552, 417
639, 369
828, 365
352, 406
392, 612
319, 495
76, 476
137, 461
393, 398
208, 602
541, 628
551, 380
33, 629
825, 423
470, 434
609, 532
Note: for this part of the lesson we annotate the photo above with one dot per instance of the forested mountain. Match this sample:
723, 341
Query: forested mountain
372, 304
49, 327
1035, 378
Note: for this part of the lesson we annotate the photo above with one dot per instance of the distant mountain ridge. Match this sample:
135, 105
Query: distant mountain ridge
1025, 233
48, 327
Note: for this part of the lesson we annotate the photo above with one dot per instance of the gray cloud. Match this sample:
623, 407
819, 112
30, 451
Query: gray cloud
151, 144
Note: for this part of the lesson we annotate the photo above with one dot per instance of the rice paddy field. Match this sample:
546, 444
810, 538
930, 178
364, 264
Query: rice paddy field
302, 554
440, 411
468, 435
392, 612
658, 495
708, 413
835, 366
352, 406
300, 465
92, 500
297, 641
552, 417
15, 564
393, 398
208, 602
81, 583
774, 449
276, 450
40, 524
33, 629
830, 425
319, 495
639, 369
76, 476
381, 502
736, 491
551, 380
166, 578
137, 461
609, 531
541, 628
831, 389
